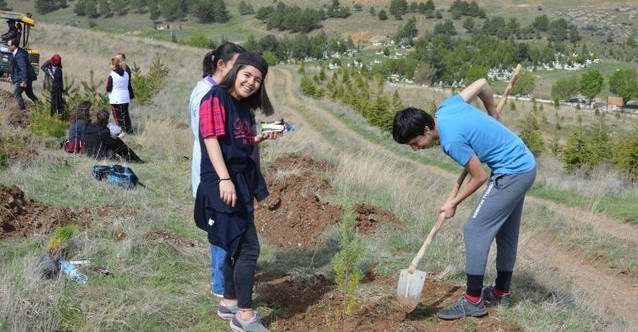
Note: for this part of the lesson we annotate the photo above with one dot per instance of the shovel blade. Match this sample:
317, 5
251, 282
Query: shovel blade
410, 288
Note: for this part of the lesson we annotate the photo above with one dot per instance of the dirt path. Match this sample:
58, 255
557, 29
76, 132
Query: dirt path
619, 291
599, 222
612, 295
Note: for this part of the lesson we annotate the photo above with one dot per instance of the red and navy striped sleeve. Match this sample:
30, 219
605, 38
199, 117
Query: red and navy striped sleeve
212, 117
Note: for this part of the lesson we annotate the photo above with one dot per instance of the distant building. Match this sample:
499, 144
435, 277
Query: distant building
615, 103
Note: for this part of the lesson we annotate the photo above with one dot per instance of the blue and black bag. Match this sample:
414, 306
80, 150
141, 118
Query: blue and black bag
117, 175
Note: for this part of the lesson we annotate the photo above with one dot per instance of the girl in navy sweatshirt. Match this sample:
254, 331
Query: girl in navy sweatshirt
231, 181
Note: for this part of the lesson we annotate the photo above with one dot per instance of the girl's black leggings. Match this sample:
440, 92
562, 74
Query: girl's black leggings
239, 269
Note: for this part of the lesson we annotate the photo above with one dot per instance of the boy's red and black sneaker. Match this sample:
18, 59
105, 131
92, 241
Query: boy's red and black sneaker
490, 296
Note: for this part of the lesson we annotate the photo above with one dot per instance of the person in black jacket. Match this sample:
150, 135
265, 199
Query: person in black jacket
101, 145
14, 32
22, 73
54, 82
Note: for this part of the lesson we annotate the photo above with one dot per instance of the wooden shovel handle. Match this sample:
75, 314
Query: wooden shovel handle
509, 88
437, 225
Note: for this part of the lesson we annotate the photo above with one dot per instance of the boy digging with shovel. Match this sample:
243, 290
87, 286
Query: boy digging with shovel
471, 137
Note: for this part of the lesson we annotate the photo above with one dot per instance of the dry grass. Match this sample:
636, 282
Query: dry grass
158, 286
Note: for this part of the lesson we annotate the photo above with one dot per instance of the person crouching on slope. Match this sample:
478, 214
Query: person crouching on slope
471, 137
231, 181
216, 65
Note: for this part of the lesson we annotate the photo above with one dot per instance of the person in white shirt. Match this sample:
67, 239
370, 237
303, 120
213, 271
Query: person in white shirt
120, 92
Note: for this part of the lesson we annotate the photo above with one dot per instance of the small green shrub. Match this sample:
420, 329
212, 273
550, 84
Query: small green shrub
59, 239
43, 124
145, 86
531, 134
347, 264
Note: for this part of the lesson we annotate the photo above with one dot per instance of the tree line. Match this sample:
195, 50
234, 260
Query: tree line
297, 19
298, 47
623, 83
206, 11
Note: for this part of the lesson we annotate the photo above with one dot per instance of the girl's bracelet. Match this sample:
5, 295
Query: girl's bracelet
224, 179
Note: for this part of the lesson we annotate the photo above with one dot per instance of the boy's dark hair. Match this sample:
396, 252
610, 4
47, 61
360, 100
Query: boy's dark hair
259, 100
225, 52
410, 123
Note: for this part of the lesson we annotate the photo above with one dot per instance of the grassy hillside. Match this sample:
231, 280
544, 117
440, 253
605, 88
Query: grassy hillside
158, 259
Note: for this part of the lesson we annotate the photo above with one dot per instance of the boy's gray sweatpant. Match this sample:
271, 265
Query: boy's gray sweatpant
497, 215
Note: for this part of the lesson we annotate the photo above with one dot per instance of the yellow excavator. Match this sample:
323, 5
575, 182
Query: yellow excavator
19, 26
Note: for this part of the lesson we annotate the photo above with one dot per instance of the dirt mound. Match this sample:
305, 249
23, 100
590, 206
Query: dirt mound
295, 205
21, 217
289, 295
171, 238
369, 217
383, 314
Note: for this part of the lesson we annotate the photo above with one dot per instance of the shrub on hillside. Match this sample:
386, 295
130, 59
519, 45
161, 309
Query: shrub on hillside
146, 85
89, 90
531, 134
246, 8
43, 124
3, 5
627, 155
586, 150
346, 264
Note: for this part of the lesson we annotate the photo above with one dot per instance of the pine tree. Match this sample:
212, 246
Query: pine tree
119, 6
104, 8
138, 5
80, 8
382, 15
221, 14
307, 86
3, 5
322, 74
90, 9
246, 8
598, 139
44, 6
575, 152
627, 155
154, 10
531, 134
397, 103
204, 11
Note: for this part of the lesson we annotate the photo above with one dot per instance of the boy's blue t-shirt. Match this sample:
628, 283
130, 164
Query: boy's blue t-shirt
465, 130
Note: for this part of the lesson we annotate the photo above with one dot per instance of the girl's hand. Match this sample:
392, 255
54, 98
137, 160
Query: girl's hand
227, 192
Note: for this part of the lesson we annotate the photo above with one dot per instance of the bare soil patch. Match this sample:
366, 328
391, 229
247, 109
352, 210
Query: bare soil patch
370, 217
13, 116
314, 305
163, 236
295, 215
21, 217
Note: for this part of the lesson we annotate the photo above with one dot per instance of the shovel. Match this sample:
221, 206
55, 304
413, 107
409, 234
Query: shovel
411, 280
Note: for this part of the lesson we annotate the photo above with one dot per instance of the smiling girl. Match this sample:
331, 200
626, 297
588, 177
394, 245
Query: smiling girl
231, 181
